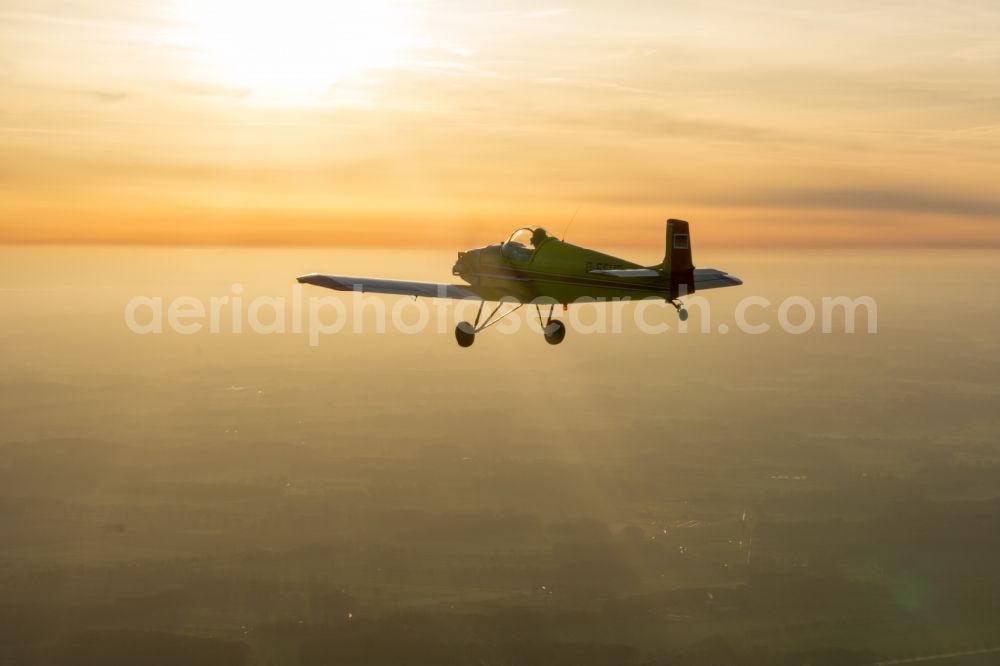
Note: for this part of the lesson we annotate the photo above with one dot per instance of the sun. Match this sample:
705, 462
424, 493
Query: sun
293, 50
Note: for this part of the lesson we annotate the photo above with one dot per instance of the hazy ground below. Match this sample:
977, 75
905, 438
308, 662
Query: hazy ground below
621, 498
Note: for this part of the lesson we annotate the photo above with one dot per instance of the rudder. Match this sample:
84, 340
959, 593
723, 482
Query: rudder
677, 263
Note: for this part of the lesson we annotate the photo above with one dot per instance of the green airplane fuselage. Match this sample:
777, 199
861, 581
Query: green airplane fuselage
555, 270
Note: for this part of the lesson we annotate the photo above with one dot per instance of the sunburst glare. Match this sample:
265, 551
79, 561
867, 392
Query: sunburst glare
294, 50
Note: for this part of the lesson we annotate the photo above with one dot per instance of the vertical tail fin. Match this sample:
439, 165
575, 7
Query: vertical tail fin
677, 263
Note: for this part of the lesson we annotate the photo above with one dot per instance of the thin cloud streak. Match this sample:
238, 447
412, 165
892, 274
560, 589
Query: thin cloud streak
900, 201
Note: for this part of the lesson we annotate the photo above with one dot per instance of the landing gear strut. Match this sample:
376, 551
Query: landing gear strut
465, 333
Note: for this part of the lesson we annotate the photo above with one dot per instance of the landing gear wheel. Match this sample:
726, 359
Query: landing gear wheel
465, 334
555, 332
683, 314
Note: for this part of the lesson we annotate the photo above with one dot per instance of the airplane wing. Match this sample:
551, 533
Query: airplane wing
710, 278
382, 286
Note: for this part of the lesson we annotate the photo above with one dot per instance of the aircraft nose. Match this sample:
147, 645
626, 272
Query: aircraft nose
467, 261
461, 264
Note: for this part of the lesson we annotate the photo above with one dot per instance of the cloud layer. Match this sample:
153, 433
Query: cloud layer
117, 127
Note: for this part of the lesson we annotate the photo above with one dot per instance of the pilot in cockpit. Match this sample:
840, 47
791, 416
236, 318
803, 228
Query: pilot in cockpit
537, 236
522, 244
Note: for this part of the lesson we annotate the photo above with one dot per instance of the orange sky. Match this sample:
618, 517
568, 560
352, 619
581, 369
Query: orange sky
449, 123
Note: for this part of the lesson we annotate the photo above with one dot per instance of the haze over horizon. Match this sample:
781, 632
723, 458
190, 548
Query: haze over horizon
448, 124
236, 497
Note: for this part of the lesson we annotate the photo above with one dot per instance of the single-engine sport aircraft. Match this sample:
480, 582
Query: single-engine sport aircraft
533, 267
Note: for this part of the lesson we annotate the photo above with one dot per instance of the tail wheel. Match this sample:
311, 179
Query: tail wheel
555, 331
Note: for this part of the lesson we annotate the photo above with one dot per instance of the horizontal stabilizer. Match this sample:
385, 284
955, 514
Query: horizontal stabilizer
382, 286
710, 278
629, 272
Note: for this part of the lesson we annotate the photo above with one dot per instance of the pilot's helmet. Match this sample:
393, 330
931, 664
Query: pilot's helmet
538, 236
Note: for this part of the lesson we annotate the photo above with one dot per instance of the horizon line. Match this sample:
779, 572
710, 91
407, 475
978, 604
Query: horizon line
298, 243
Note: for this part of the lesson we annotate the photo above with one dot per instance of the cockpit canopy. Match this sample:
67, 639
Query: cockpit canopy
521, 244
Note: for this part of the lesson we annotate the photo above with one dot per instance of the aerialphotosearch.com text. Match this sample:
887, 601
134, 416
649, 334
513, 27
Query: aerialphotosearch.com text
319, 316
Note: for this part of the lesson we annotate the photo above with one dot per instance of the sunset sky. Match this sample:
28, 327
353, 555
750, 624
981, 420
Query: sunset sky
773, 123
